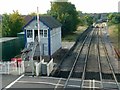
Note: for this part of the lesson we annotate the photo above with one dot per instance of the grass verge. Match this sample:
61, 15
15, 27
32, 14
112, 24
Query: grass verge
114, 35
73, 36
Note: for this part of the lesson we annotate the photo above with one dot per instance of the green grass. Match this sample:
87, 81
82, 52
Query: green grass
73, 36
114, 34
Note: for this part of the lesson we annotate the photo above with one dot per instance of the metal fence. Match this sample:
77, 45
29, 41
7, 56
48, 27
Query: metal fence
12, 67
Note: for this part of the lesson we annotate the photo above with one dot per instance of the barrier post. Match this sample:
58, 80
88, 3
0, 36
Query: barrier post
38, 67
15, 64
48, 73
1, 68
23, 67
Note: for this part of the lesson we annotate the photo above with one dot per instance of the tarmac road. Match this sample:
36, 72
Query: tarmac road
7, 79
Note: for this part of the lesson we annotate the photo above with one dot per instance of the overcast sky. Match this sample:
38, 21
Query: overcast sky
28, 6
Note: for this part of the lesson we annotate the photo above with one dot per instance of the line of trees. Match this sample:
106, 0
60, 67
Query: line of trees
114, 18
70, 18
64, 12
85, 18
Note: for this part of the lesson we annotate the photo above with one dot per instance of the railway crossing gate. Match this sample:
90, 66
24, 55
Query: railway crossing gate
40, 68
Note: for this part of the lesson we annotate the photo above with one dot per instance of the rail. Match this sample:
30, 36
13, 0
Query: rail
108, 59
79, 38
86, 58
117, 53
98, 59
76, 59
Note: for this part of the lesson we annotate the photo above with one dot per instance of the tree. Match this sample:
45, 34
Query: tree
33, 14
12, 24
114, 18
66, 13
82, 20
6, 25
89, 19
17, 23
0, 26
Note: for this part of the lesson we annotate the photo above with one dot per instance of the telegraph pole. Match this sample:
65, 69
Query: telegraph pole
38, 24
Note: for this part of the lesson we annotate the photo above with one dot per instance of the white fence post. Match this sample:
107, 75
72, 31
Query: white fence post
48, 73
0, 66
38, 67
23, 66
3, 68
15, 66
19, 68
8, 67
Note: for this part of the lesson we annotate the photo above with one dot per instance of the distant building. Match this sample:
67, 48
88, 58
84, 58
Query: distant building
50, 34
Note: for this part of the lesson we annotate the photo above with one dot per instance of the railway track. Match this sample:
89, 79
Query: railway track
89, 38
85, 67
86, 61
72, 54
89, 60
117, 53
109, 62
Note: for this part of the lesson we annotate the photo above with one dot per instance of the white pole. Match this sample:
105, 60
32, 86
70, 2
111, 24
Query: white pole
39, 32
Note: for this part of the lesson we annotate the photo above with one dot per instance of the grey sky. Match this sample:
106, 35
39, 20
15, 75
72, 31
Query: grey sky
28, 6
